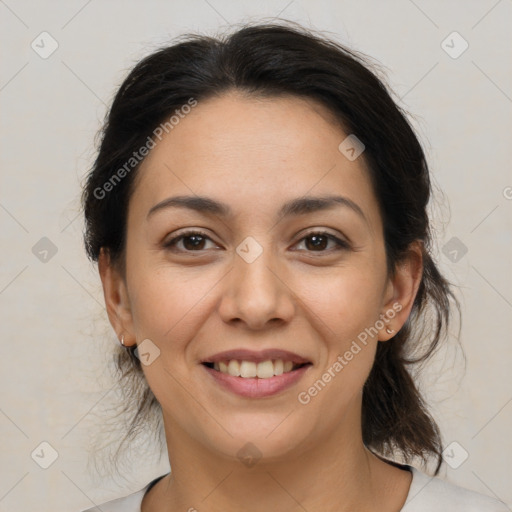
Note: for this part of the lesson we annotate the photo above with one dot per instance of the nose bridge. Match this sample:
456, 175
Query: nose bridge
254, 291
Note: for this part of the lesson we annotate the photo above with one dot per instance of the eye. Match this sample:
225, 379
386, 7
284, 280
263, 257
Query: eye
193, 241
320, 239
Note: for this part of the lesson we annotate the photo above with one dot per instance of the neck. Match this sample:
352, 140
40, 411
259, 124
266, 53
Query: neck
337, 473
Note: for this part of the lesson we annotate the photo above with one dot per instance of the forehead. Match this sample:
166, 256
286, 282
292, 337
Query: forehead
249, 152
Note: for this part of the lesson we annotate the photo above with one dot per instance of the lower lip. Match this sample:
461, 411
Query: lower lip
255, 387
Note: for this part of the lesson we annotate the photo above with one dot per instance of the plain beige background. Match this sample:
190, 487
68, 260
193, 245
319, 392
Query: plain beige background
56, 341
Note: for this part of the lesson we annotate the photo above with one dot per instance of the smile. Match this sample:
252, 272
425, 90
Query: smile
250, 369
256, 380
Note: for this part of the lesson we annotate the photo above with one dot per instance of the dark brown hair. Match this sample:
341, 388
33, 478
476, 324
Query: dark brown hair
269, 60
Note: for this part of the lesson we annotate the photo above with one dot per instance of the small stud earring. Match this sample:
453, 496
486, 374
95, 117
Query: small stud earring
389, 331
122, 340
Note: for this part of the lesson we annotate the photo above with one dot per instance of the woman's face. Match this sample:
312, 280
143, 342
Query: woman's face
255, 279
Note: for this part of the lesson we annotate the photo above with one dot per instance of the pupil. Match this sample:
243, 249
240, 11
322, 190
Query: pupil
318, 244
198, 240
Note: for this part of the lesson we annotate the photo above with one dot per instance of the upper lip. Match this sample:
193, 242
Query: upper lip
256, 356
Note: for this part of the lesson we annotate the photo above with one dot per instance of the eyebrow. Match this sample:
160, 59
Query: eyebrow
299, 206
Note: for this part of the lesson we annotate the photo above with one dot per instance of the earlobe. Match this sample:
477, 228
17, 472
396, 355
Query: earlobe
116, 298
403, 289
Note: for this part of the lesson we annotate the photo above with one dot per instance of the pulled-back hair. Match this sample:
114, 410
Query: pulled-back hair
272, 60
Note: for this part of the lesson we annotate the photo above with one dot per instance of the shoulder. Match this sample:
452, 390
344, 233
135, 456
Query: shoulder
129, 503
433, 493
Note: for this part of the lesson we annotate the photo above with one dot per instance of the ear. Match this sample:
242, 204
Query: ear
116, 299
401, 291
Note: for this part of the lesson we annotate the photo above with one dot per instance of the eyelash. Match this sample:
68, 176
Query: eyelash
342, 245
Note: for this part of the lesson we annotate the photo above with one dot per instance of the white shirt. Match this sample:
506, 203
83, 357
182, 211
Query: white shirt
426, 494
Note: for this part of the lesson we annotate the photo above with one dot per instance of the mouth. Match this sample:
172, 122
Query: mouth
256, 376
255, 370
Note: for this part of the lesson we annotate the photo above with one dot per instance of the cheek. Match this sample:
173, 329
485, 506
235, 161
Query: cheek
343, 308
343, 312
346, 301
169, 304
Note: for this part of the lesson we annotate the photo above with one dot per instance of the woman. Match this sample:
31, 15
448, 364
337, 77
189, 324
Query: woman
257, 210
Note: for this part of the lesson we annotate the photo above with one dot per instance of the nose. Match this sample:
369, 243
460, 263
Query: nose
256, 294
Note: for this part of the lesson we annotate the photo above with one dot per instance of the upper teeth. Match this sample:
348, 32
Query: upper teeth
250, 369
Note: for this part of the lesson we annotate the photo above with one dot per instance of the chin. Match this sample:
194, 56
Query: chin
263, 437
